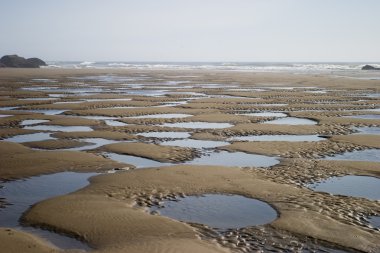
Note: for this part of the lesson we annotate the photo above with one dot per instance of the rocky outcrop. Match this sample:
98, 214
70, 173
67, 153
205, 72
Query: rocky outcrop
15, 61
369, 67
35, 62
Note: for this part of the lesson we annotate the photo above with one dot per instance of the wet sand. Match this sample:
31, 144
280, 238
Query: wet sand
152, 151
16, 241
55, 144
19, 161
110, 214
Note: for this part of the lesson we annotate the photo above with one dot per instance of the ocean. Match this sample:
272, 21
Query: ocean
233, 66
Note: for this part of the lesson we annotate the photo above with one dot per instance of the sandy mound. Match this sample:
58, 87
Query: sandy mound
152, 151
13, 241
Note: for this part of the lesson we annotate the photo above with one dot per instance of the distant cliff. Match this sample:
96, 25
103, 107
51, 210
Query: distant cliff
15, 61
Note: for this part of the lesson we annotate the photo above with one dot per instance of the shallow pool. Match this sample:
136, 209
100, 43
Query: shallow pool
374, 221
198, 125
219, 211
191, 93
162, 116
170, 104
247, 89
32, 99
191, 143
266, 114
116, 123
370, 155
60, 128
168, 135
93, 143
291, 121
28, 122
30, 137
291, 138
107, 99
367, 130
98, 117
356, 186
367, 116
57, 95
68, 102
46, 112
8, 108
239, 159
149, 93
24, 193
138, 162
75, 91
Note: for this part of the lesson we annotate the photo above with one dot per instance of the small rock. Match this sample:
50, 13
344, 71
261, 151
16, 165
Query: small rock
369, 67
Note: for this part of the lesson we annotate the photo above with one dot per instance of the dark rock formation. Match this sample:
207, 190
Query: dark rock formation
2, 65
369, 67
35, 62
15, 61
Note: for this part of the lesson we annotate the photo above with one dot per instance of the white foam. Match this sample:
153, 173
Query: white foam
86, 63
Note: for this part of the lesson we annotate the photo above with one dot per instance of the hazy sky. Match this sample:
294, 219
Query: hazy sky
192, 30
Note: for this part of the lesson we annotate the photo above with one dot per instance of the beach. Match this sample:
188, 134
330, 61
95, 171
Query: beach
156, 136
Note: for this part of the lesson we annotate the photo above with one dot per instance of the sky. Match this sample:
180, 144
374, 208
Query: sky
192, 30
